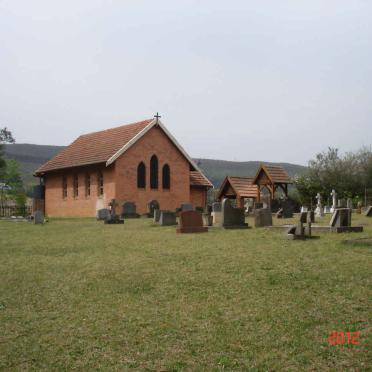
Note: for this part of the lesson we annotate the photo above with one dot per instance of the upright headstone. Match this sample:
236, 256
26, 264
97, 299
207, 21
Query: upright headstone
310, 217
327, 209
129, 210
263, 217
167, 218
341, 218
304, 209
334, 200
349, 203
369, 211
191, 222
207, 219
319, 208
341, 203
113, 218
157, 213
287, 207
303, 217
232, 217
151, 206
216, 213
38, 217
102, 214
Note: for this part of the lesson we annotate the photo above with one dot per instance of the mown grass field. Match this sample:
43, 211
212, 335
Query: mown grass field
84, 295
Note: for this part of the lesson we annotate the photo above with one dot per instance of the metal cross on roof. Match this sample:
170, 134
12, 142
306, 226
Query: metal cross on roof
157, 116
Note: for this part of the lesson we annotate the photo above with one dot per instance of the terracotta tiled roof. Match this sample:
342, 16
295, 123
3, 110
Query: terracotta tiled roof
277, 174
93, 148
243, 186
197, 179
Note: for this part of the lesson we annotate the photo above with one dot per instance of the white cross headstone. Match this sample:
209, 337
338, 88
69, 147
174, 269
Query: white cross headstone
334, 200
319, 208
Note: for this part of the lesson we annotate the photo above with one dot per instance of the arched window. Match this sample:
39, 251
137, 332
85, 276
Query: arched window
141, 175
166, 177
154, 172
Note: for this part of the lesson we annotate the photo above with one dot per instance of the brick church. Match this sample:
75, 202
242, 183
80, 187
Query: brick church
137, 162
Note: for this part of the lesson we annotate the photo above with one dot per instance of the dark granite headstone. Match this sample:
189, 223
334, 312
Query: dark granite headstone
151, 206
232, 218
263, 217
303, 217
369, 211
167, 218
129, 210
287, 207
191, 222
341, 218
102, 214
113, 218
38, 217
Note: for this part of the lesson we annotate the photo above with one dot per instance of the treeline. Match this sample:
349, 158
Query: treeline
11, 185
350, 175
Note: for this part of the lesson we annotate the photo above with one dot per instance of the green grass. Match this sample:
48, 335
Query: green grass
84, 295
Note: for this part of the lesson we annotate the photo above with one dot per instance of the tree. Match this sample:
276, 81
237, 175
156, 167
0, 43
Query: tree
5, 137
349, 175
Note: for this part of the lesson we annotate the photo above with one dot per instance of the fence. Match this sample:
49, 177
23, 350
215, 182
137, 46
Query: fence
9, 211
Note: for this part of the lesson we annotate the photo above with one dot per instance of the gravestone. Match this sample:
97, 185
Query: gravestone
157, 213
287, 208
349, 203
319, 207
151, 206
38, 217
341, 218
207, 219
112, 218
303, 217
304, 209
102, 214
308, 228
341, 203
369, 211
129, 210
232, 218
191, 222
334, 200
263, 217
296, 232
327, 209
167, 218
186, 207
310, 217
216, 213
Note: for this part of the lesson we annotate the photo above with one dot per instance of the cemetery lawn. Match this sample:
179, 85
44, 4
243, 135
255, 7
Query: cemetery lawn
81, 294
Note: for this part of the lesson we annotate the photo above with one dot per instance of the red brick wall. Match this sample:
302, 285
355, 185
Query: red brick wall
198, 196
120, 181
82, 205
154, 142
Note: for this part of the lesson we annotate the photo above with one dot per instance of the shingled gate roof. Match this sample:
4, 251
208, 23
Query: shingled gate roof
242, 186
276, 174
107, 145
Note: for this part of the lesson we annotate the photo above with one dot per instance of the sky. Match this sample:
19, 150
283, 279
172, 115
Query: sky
236, 80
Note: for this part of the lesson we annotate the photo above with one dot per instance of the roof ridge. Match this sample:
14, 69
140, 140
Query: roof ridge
117, 127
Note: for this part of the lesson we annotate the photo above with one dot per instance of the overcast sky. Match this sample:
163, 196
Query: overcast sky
235, 80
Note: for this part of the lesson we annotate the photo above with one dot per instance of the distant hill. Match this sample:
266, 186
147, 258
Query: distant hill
30, 157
